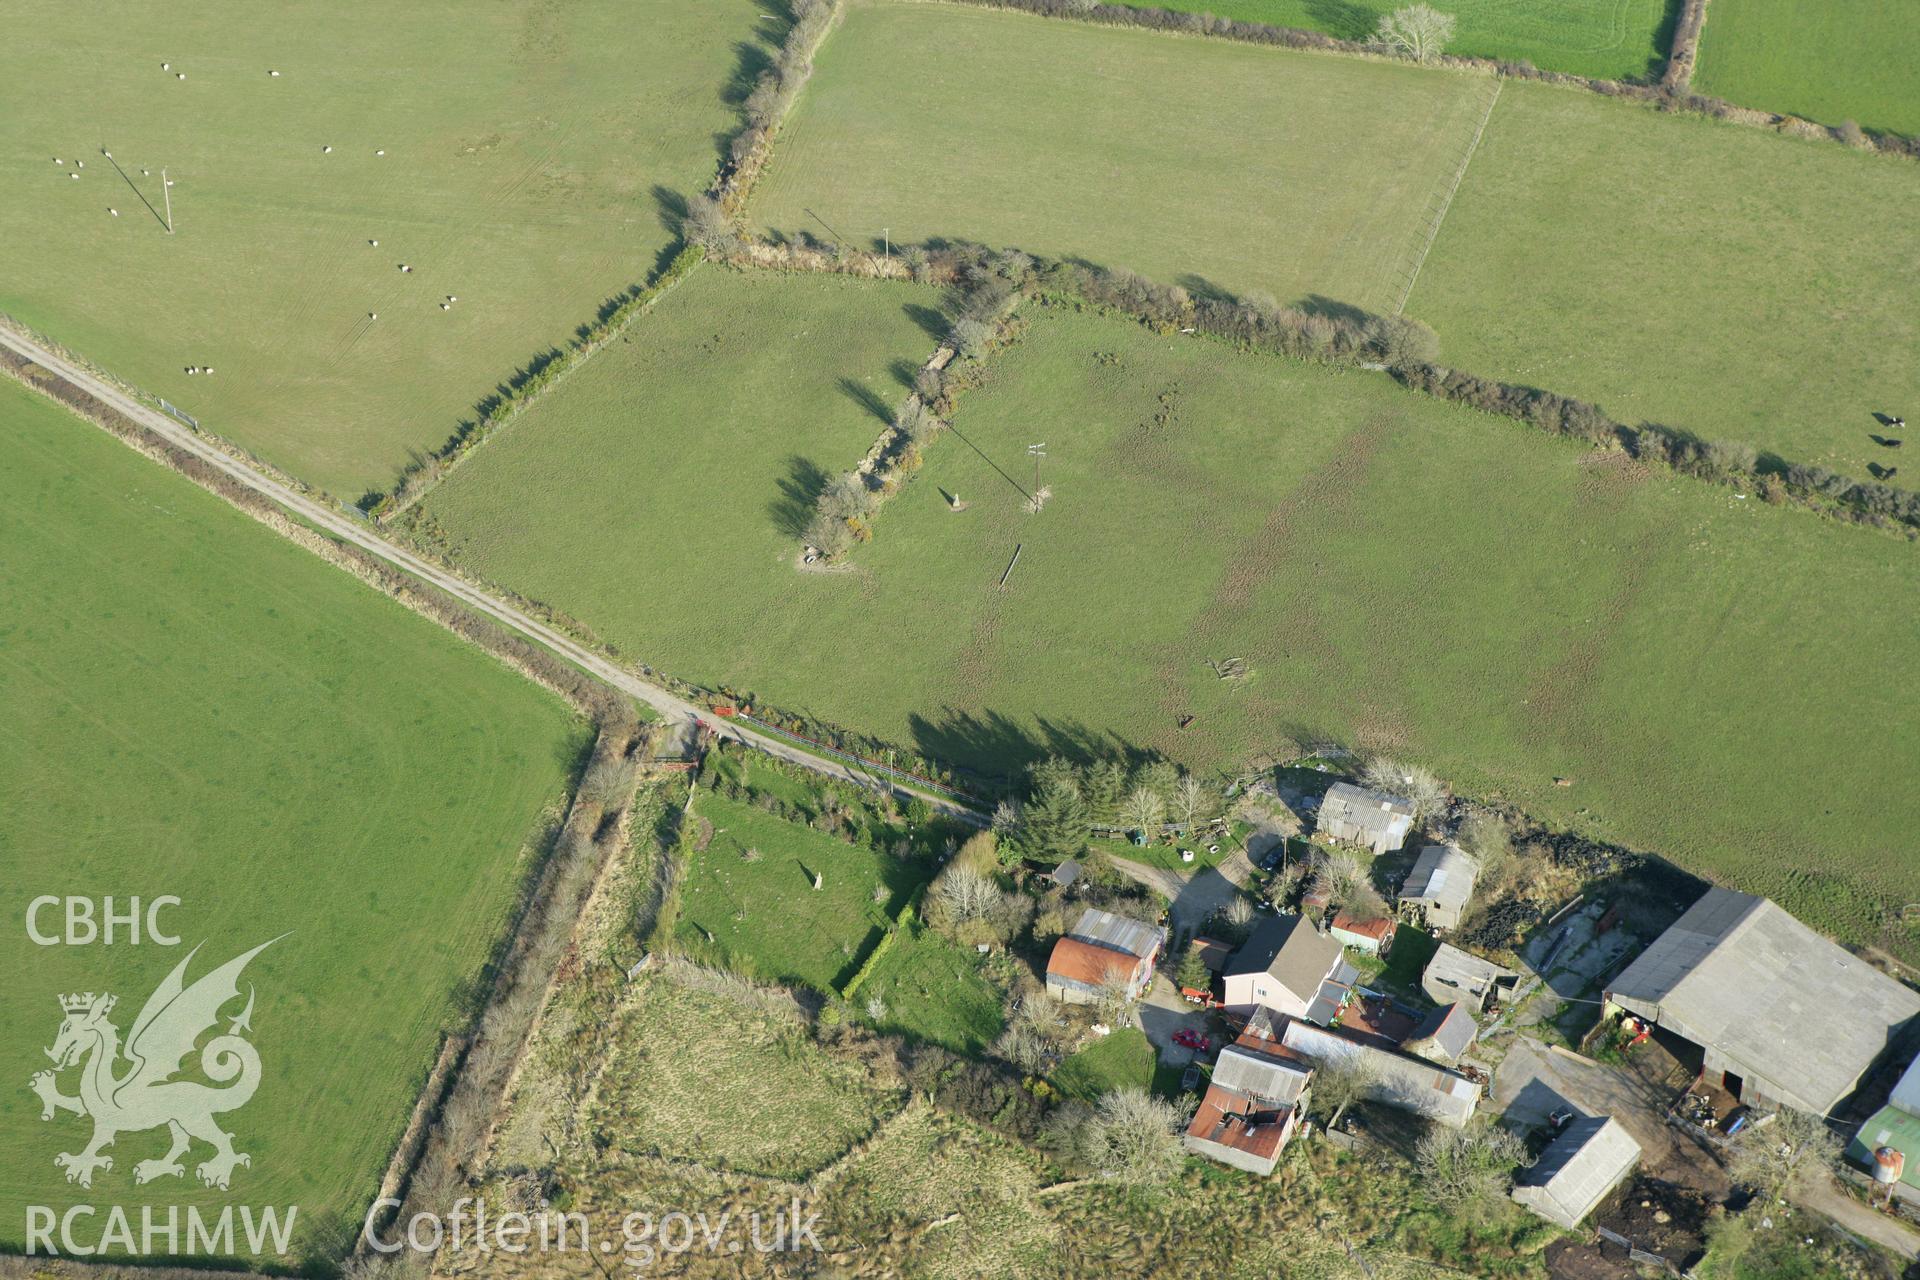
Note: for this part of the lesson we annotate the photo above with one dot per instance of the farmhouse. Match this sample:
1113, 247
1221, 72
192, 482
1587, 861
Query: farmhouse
1578, 1170
1291, 968
1453, 975
1445, 1036
1369, 935
1888, 1144
1781, 1015
1397, 1080
1251, 1108
1370, 819
1438, 888
1101, 948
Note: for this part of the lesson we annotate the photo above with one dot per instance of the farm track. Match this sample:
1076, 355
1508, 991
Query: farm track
345, 528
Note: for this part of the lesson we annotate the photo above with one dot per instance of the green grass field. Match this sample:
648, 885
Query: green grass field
934, 991
1827, 60
683, 464
1601, 250
196, 707
930, 121
523, 145
1123, 1060
749, 901
1611, 39
1719, 678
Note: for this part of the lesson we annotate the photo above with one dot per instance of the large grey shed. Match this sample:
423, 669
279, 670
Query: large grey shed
1437, 890
1782, 1015
1578, 1170
1371, 819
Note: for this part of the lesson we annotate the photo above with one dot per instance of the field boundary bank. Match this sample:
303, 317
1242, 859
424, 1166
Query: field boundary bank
748, 152
526, 387
1663, 96
592, 836
1685, 54
1407, 351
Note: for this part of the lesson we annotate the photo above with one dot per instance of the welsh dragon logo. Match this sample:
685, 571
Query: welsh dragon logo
143, 1094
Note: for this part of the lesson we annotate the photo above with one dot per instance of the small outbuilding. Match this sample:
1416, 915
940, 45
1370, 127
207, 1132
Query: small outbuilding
1102, 948
1452, 974
1444, 1036
1369, 935
1782, 1016
1436, 892
1066, 875
1578, 1170
1371, 819
1251, 1108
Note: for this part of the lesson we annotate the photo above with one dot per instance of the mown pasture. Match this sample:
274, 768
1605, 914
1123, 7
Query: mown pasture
1827, 60
934, 991
1713, 277
1609, 39
749, 901
1208, 162
523, 147
660, 492
195, 707
1718, 678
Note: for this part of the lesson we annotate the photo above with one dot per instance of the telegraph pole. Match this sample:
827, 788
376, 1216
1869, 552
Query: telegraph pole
166, 194
1038, 451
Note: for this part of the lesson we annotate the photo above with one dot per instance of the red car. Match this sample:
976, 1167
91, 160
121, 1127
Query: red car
1192, 1039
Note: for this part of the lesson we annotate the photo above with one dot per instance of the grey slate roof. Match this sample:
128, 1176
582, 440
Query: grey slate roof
1373, 812
1578, 1169
1779, 1002
1454, 969
1441, 875
1447, 1033
1117, 933
1326, 1002
1397, 1080
1292, 950
1066, 874
1258, 1076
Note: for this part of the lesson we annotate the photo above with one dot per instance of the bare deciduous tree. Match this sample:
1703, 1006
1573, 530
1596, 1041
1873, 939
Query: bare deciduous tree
1409, 781
1338, 1085
1133, 1138
962, 894
1468, 1168
1418, 31
1791, 1152
1190, 799
1143, 810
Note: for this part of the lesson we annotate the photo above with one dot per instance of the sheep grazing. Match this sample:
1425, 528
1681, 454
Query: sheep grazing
179, 75
166, 66
445, 306
379, 153
79, 164
405, 268
57, 160
114, 212
326, 151
373, 315
451, 298
74, 176
191, 371
273, 73
374, 243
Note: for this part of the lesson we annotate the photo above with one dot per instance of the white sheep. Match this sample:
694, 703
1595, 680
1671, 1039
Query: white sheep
114, 212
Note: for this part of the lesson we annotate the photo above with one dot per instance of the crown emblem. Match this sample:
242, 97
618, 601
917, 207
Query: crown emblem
80, 1002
